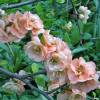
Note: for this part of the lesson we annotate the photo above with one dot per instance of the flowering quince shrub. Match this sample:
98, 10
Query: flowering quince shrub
62, 64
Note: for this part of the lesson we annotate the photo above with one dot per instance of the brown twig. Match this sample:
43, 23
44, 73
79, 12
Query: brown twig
12, 75
17, 5
54, 90
34, 74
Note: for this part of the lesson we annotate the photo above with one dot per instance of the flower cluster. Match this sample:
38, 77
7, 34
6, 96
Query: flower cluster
15, 85
68, 26
55, 53
14, 27
84, 13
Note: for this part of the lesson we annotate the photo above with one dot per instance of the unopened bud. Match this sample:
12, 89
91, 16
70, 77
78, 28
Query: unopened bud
81, 16
2, 12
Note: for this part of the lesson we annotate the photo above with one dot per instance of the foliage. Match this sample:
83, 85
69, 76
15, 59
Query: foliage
55, 16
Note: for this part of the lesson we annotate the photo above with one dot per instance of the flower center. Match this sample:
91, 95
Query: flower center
55, 59
36, 49
80, 70
53, 43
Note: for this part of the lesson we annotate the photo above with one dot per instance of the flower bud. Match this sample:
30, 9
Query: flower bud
2, 12
81, 16
84, 13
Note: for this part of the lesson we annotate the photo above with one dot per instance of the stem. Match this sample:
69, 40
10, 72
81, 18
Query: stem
54, 6
38, 90
76, 13
34, 74
6, 72
21, 76
96, 38
67, 6
52, 91
18, 4
87, 2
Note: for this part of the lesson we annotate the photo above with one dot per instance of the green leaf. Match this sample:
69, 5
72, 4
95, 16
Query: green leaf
78, 50
96, 3
40, 80
75, 35
98, 45
3, 62
86, 36
66, 37
4, 97
34, 67
60, 1
88, 45
24, 97
39, 8
42, 39
88, 27
4, 47
8, 1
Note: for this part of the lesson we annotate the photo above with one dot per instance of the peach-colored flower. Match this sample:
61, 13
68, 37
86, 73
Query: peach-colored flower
17, 27
10, 18
64, 52
53, 85
98, 78
6, 37
56, 70
2, 24
61, 45
37, 31
82, 75
34, 23
54, 44
66, 57
49, 43
81, 71
54, 63
21, 73
86, 86
48, 38
35, 50
58, 59
57, 79
12, 27
13, 86
69, 95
